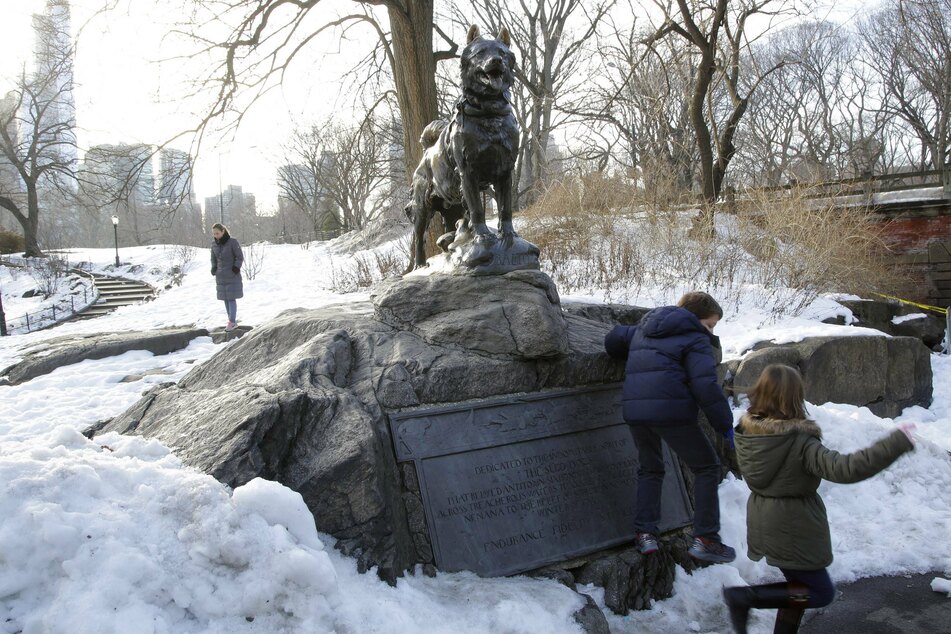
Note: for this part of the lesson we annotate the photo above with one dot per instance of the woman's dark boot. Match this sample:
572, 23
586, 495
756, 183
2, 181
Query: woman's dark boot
775, 595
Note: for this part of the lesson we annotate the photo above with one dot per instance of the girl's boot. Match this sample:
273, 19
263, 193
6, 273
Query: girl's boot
740, 600
787, 620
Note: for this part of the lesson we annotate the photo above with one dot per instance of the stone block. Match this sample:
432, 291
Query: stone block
884, 374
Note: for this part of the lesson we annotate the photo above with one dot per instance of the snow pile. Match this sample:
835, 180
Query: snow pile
934, 423
114, 533
941, 585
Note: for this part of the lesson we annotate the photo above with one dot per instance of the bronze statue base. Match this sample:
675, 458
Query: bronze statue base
487, 254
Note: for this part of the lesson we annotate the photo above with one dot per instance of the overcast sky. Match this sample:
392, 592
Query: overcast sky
123, 95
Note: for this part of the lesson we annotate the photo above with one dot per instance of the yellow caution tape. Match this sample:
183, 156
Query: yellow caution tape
937, 309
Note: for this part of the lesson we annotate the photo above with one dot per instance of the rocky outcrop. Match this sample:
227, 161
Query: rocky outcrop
885, 374
306, 400
45, 357
606, 313
303, 400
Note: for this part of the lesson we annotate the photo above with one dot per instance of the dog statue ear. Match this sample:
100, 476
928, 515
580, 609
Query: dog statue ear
472, 34
504, 37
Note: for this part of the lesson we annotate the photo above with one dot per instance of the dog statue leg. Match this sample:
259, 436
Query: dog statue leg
503, 189
480, 253
470, 193
423, 215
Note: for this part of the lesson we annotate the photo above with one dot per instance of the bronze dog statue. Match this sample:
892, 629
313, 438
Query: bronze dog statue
473, 151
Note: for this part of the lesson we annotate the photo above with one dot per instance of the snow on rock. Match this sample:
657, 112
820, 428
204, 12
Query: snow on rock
900, 319
81, 394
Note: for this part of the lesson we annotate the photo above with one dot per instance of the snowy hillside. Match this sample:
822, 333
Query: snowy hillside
115, 535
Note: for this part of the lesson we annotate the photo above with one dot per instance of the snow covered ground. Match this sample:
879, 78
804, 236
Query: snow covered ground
69, 293
115, 535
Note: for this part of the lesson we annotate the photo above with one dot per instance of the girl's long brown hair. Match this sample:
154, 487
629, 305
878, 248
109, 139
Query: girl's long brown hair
778, 394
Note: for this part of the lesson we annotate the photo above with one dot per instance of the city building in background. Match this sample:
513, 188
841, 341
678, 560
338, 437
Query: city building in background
238, 211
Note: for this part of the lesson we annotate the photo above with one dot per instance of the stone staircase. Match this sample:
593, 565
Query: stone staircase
113, 293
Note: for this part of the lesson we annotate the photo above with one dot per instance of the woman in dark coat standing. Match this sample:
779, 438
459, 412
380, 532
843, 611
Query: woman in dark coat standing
226, 261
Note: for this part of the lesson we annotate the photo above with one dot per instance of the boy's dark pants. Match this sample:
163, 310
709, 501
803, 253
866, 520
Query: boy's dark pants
691, 444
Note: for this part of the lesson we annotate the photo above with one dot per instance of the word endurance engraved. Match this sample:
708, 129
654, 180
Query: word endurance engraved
509, 485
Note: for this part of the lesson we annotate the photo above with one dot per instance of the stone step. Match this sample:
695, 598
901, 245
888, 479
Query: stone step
126, 292
95, 312
120, 287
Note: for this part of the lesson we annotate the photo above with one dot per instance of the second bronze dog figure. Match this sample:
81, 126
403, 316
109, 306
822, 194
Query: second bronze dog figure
469, 153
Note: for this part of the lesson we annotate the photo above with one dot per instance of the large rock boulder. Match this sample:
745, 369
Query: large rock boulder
48, 355
477, 312
304, 399
885, 374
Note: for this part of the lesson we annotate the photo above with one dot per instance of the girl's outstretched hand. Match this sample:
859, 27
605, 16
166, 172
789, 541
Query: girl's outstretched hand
907, 429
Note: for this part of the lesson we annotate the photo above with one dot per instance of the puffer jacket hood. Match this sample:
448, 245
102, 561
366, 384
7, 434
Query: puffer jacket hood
671, 370
668, 321
765, 445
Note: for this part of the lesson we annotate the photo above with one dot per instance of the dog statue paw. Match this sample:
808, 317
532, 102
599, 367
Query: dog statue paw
478, 255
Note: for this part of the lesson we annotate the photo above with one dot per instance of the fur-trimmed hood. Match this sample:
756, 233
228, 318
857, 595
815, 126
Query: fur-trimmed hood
768, 451
755, 426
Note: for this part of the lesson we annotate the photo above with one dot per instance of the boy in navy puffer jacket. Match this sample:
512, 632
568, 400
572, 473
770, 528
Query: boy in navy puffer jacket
670, 375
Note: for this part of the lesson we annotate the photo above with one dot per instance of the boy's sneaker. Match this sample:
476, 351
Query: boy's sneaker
646, 543
230, 326
711, 550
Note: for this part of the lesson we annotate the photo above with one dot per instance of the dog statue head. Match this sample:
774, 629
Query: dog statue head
487, 64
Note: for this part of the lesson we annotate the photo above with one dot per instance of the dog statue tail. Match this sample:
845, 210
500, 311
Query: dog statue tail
431, 132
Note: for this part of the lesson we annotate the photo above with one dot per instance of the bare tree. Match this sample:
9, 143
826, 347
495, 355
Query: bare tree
811, 119
339, 170
635, 111
550, 39
717, 32
908, 45
37, 139
264, 37
302, 178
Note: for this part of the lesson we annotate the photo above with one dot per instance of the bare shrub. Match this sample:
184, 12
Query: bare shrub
10, 242
253, 259
48, 273
180, 258
368, 267
784, 252
815, 248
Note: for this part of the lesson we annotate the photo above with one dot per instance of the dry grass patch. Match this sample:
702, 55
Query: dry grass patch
787, 251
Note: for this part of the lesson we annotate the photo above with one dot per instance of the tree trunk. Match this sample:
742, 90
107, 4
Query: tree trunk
702, 131
31, 226
414, 71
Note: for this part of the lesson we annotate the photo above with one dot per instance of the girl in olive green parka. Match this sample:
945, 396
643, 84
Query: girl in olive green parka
783, 460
